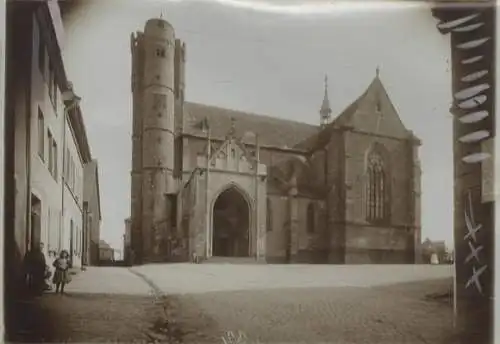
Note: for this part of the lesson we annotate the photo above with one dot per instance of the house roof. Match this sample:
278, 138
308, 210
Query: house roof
103, 244
273, 132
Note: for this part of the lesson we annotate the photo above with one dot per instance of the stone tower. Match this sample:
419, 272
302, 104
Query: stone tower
153, 152
325, 111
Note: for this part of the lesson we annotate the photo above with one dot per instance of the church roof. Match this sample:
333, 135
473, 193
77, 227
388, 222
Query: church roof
347, 118
273, 132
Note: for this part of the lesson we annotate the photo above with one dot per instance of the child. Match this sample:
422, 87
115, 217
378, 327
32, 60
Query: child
61, 274
49, 273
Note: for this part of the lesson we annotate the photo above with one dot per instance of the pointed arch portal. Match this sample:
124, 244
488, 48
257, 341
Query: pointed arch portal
231, 224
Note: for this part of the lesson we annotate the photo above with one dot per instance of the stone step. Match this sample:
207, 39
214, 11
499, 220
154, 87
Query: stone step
232, 260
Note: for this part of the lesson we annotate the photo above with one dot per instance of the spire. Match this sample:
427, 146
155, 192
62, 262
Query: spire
377, 71
325, 110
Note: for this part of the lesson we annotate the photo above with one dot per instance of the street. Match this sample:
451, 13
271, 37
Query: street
268, 303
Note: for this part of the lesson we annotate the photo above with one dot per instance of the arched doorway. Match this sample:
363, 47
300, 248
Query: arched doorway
231, 224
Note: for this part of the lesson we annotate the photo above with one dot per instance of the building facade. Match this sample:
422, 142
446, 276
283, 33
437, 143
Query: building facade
91, 214
44, 131
208, 181
106, 253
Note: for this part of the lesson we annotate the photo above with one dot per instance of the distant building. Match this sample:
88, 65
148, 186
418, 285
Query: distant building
434, 252
92, 213
106, 252
46, 145
219, 182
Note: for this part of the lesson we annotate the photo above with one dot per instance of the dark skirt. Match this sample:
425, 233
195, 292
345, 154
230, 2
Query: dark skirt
61, 276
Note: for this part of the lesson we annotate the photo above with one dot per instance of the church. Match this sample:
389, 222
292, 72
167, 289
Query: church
209, 182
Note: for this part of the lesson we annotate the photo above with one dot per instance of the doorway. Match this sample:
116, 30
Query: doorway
231, 225
35, 233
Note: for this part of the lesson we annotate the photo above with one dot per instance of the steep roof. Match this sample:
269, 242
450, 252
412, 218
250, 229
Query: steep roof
354, 116
273, 132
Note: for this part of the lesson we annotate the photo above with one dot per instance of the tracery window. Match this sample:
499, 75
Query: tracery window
376, 189
311, 221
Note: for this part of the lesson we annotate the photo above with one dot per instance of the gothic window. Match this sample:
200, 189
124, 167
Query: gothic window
269, 218
378, 106
376, 189
311, 221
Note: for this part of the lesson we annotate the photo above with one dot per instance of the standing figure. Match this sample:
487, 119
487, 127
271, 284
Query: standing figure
61, 273
34, 262
49, 274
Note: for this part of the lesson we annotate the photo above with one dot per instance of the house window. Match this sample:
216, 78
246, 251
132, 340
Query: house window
311, 223
51, 82
54, 91
54, 159
41, 134
376, 190
160, 52
41, 52
51, 152
269, 219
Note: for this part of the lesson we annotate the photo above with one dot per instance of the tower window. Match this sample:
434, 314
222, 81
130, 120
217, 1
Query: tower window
160, 52
378, 106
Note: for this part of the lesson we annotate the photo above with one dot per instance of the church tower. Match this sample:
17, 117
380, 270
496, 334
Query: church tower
325, 111
153, 184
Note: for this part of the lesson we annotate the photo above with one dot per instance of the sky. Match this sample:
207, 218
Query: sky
269, 58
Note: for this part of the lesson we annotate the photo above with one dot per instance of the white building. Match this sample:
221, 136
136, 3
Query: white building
47, 146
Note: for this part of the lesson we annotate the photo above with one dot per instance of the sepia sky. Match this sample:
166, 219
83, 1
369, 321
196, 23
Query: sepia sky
270, 58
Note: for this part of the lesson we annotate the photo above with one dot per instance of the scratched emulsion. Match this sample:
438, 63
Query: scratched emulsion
470, 99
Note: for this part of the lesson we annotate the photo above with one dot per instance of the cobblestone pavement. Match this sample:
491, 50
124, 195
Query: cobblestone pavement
100, 305
334, 315
293, 304
201, 278
272, 304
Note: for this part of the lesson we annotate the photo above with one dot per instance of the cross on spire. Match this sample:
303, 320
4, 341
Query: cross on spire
377, 71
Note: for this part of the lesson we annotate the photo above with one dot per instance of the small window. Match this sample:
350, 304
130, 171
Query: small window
41, 134
41, 51
51, 151
51, 83
54, 159
159, 101
160, 52
378, 106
